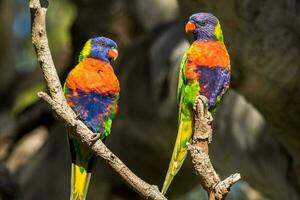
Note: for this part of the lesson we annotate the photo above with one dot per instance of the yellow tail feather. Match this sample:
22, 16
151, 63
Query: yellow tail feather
80, 179
179, 152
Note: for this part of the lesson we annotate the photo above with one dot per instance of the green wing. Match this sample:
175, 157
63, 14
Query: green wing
114, 109
64, 88
181, 78
181, 85
184, 130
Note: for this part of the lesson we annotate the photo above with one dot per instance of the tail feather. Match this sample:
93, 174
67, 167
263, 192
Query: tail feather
80, 179
179, 152
82, 161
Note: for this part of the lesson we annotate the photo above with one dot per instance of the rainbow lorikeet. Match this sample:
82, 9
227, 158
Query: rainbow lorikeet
205, 70
92, 91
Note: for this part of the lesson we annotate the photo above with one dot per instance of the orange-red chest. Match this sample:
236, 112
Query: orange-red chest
93, 75
206, 54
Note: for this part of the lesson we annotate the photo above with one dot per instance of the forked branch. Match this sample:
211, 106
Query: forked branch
198, 149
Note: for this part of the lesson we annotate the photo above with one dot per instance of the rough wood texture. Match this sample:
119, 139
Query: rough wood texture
59, 105
210, 180
40, 43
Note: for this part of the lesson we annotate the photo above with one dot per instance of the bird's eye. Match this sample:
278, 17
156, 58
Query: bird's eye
203, 23
103, 44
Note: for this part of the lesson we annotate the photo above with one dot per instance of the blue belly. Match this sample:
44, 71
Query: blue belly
213, 82
93, 108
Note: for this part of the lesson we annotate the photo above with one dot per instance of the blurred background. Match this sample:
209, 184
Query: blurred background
256, 128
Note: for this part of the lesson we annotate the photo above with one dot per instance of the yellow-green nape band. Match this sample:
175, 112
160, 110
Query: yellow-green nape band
218, 32
86, 50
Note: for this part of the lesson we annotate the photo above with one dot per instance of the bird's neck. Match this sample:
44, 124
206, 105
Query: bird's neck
204, 38
94, 64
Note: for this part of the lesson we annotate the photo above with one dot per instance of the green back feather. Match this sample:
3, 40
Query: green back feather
181, 78
219, 33
86, 50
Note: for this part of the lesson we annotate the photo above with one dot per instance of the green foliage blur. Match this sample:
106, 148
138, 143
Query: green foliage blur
18, 53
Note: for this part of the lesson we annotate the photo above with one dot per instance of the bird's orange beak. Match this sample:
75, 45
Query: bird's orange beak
190, 27
113, 54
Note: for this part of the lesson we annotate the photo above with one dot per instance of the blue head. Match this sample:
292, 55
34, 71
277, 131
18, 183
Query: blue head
101, 48
205, 27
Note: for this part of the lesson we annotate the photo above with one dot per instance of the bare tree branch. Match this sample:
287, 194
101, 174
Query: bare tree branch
99, 149
198, 149
59, 105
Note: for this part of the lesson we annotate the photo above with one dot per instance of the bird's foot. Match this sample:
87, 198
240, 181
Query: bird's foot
204, 102
94, 138
77, 116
